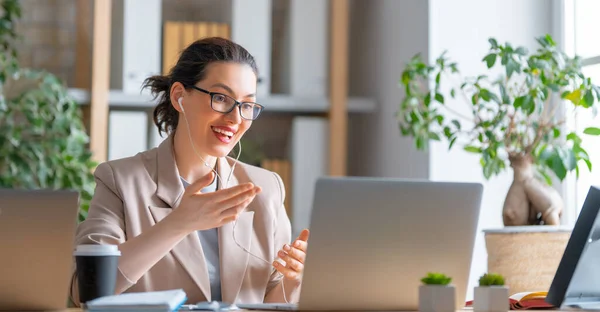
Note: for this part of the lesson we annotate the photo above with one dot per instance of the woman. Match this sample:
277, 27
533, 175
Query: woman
184, 214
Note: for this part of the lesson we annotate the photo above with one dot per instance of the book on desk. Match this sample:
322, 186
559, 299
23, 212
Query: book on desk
526, 301
156, 301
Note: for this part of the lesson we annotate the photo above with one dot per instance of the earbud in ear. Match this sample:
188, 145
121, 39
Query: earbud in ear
180, 106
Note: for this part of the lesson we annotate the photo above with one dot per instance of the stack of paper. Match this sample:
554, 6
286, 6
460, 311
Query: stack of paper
167, 301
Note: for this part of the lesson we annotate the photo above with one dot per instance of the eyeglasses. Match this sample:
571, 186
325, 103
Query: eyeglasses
222, 103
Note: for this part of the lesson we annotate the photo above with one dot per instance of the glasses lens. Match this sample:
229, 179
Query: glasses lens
222, 103
250, 110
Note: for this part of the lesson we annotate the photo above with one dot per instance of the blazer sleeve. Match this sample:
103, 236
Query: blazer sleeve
105, 223
283, 230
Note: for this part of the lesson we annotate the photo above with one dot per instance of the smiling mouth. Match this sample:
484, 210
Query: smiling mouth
226, 133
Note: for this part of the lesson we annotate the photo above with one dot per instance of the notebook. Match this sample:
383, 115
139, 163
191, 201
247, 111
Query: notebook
154, 301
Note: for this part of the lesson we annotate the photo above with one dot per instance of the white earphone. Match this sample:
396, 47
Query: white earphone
179, 100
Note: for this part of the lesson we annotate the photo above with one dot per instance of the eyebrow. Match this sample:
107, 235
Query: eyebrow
226, 87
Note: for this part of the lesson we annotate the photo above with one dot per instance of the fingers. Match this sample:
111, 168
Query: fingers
238, 199
294, 252
304, 235
228, 219
235, 210
288, 273
201, 183
291, 262
227, 193
300, 245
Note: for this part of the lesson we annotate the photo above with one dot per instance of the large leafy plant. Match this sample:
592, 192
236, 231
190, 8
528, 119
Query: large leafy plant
514, 114
43, 142
511, 117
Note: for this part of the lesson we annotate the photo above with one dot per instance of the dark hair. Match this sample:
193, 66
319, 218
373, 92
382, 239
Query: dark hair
191, 68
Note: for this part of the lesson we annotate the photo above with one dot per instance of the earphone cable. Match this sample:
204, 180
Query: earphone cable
225, 186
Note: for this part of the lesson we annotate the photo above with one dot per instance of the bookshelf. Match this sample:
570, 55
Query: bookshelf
303, 69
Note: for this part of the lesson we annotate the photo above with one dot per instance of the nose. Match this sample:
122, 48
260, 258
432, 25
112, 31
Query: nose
234, 116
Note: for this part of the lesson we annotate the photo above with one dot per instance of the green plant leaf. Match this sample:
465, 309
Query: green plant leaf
485, 94
519, 101
592, 131
427, 99
504, 94
490, 279
456, 123
521, 51
434, 136
493, 43
556, 164
453, 93
434, 278
556, 132
490, 59
439, 98
452, 143
472, 149
405, 77
588, 99
574, 96
546, 177
511, 67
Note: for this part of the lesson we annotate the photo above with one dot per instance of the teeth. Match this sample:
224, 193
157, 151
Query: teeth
227, 133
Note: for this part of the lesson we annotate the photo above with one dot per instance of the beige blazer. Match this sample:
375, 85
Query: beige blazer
133, 194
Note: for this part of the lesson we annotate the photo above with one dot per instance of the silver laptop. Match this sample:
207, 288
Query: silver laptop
373, 239
37, 229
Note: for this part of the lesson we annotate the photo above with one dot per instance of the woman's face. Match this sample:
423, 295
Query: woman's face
216, 133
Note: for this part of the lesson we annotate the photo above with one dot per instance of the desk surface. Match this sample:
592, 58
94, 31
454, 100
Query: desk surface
463, 310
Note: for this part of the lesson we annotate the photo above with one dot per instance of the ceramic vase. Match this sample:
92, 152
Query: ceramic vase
437, 298
491, 299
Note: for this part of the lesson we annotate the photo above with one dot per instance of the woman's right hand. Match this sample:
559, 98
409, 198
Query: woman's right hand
202, 211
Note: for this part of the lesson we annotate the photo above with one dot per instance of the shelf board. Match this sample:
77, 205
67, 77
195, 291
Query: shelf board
273, 103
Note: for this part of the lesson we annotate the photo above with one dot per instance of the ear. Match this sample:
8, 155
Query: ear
177, 91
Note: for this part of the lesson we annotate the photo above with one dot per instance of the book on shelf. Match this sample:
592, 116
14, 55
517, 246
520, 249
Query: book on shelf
526, 301
178, 35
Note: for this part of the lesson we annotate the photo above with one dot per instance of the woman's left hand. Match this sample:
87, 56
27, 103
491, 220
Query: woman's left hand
294, 257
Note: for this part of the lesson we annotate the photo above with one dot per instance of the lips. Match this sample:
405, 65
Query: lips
224, 134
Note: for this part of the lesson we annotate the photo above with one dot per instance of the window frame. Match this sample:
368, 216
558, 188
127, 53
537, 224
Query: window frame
565, 30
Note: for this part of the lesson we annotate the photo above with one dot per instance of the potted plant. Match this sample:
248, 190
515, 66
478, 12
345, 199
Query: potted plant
437, 294
43, 142
511, 119
491, 295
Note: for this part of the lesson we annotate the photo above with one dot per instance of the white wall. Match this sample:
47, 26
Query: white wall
383, 35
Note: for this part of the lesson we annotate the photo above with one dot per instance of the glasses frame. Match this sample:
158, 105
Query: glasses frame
236, 103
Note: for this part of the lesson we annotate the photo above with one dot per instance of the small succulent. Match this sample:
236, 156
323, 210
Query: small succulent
490, 279
436, 279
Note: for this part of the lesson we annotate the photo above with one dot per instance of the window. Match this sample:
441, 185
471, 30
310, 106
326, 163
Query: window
580, 25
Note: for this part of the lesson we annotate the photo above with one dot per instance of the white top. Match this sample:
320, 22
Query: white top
209, 239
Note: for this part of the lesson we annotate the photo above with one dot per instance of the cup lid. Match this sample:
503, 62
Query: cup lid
97, 250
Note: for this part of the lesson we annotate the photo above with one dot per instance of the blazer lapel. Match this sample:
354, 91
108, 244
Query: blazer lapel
189, 251
168, 185
234, 258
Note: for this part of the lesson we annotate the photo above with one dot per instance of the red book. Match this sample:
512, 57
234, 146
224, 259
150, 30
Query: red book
525, 301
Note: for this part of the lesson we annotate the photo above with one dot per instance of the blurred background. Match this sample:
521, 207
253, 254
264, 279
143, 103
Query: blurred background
330, 79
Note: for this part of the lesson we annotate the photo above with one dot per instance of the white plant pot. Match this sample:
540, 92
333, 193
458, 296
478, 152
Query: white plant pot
491, 299
437, 298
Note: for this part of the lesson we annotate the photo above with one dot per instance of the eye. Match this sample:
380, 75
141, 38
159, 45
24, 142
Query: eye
247, 106
219, 98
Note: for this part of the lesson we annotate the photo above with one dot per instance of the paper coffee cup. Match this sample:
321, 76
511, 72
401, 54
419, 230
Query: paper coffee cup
97, 267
